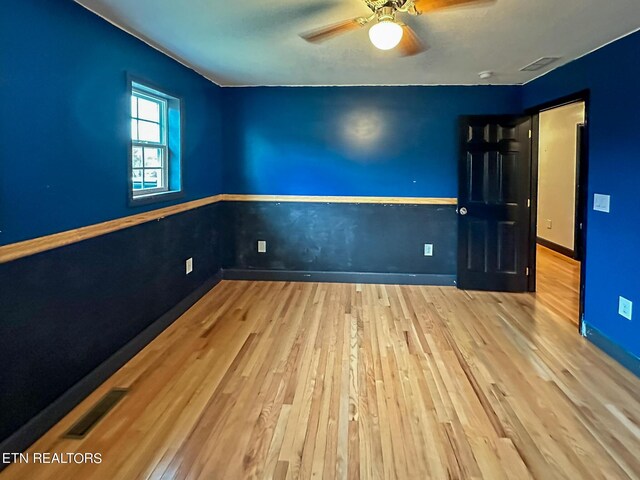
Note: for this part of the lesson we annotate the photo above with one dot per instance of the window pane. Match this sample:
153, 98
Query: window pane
137, 157
134, 106
152, 157
137, 179
153, 178
148, 110
149, 132
134, 129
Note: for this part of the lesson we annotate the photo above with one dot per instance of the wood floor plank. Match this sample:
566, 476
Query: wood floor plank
280, 380
558, 283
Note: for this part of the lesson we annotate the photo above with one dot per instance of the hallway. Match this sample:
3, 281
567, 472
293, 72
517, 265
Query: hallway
558, 284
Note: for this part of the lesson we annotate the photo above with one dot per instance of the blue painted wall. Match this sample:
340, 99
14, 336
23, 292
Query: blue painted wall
64, 127
64, 146
379, 141
613, 240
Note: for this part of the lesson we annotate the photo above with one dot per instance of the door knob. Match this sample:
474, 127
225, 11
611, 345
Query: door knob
463, 211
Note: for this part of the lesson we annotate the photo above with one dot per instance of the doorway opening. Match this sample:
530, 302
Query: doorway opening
559, 206
522, 203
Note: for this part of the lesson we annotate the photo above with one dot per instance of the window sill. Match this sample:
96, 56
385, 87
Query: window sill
138, 200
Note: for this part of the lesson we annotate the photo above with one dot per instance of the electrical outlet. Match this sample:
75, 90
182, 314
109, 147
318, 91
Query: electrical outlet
262, 246
428, 249
549, 224
601, 203
625, 307
189, 265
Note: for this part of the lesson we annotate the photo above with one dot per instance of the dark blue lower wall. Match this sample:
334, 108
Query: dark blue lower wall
341, 237
612, 260
66, 311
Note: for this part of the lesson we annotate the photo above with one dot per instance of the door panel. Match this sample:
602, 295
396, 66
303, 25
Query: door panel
477, 246
477, 163
507, 252
494, 183
508, 179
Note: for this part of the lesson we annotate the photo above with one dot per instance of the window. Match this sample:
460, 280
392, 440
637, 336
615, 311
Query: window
155, 147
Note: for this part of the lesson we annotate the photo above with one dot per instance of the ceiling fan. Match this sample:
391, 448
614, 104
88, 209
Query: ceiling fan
387, 32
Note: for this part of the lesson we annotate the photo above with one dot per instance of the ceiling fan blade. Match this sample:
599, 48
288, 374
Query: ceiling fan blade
410, 43
425, 6
325, 33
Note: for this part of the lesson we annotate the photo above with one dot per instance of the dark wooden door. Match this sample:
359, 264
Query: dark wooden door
494, 203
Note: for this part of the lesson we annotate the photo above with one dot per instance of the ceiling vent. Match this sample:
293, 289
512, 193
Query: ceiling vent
540, 64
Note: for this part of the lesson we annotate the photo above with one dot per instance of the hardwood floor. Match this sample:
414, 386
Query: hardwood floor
306, 380
558, 283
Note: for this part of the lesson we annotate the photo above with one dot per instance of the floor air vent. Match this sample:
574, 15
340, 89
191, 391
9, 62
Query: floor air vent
93, 416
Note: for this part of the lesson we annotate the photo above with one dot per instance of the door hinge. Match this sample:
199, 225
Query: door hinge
527, 271
528, 203
530, 134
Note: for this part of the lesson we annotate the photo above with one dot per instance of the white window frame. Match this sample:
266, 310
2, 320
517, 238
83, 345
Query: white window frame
141, 92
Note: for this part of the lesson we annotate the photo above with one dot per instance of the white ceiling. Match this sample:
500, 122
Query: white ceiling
256, 42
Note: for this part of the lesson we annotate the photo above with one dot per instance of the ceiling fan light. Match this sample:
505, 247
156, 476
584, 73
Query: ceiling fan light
385, 34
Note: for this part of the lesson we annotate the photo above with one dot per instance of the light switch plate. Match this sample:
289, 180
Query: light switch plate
189, 265
601, 203
625, 307
262, 246
549, 224
428, 249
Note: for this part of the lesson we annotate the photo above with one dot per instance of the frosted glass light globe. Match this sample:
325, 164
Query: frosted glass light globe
385, 35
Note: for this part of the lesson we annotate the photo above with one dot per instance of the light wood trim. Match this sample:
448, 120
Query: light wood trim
26, 248
341, 199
